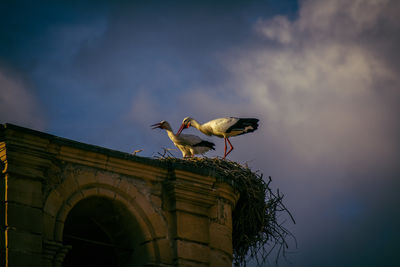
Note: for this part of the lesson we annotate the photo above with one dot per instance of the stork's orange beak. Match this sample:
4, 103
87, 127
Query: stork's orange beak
183, 126
180, 129
157, 125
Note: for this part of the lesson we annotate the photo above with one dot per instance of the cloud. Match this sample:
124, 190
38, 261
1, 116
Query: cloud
144, 109
323, 87
18, 105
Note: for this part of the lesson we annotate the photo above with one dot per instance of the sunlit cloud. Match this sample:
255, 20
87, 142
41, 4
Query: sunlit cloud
321, 88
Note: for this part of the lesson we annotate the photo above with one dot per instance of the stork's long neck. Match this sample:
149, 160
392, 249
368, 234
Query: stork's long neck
199, 127
170, 133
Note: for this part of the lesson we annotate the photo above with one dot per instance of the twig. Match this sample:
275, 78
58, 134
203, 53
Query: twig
257, 231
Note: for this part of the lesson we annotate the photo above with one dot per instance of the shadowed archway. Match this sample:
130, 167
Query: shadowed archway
102, 232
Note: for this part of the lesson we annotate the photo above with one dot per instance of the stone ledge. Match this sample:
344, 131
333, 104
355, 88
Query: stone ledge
55, 145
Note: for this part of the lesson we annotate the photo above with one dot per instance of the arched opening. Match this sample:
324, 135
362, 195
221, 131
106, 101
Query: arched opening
102, 232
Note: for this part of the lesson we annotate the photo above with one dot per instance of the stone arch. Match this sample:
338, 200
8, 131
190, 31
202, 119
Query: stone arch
99, 240
84, 184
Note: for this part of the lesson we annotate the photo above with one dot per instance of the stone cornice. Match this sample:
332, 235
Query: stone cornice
46, 145
33, 153
33, 150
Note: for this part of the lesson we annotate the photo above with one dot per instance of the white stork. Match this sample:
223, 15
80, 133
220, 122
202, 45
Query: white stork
222, 127
188, 144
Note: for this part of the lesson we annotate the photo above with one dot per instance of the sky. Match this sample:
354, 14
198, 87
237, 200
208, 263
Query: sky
322, 76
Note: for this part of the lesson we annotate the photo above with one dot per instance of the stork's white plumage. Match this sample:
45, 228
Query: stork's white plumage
222, 127
188, 144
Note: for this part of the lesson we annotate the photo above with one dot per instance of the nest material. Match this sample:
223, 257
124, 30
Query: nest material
256, 230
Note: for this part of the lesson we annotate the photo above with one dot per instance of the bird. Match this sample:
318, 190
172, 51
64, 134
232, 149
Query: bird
136, 151
188, 144
222, 127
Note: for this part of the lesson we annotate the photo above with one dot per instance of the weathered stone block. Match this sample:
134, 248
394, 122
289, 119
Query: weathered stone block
68, 187
192, 251
75, 198
221, 237
24, 191
19, 259
189, 263
106, 193
125, 185
23, 241
58, 230
48, 226
189, 207
165, 247
24, 218
156, 201
104, 177
144, 254
53, 203
192, 227
159, 224
86, 176
221, 213
220, 259
90, 192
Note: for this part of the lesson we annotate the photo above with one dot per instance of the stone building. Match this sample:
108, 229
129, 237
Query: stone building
65, 203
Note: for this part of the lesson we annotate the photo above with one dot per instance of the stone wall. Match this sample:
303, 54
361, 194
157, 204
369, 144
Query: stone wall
57, 194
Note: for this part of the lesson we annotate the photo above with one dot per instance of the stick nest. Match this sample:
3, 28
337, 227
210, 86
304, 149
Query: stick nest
256, 231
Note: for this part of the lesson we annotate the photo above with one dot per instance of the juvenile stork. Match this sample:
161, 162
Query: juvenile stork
222, 127
188, 144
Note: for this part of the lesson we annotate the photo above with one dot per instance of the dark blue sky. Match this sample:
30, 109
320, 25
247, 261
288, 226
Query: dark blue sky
322, 77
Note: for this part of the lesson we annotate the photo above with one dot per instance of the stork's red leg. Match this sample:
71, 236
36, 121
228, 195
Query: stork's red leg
229, 149
225, 148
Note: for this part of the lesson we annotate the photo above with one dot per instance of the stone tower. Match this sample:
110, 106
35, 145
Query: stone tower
65, 203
